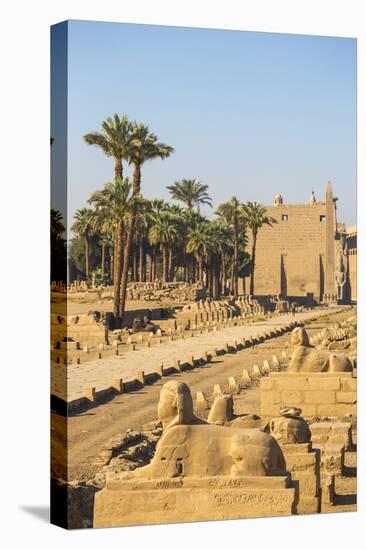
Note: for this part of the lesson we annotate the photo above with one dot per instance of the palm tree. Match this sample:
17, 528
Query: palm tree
58, 247
144, 146
164, 232
255, 217
142, 224
199, 244
230, 212
191, 192
57, 226
221, 239
102, 227
114, 139
115, 202
83, 226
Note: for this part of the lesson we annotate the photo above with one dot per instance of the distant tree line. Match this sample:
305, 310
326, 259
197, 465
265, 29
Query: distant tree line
121, 236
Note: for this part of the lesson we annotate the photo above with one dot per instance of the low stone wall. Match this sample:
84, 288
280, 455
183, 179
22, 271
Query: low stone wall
155, 501
317, 394
86, 328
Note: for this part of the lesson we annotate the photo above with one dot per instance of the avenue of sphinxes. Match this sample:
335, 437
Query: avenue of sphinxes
284, 460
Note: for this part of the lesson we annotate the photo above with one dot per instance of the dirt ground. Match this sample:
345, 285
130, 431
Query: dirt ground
88, 432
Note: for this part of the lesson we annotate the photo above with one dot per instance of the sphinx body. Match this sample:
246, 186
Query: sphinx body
191, 447
306, 358
209, 450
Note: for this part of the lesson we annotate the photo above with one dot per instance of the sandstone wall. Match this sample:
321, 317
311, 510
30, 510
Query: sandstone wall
290, 257
319, 394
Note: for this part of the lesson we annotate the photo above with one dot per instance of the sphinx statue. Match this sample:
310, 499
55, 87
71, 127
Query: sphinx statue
306, 358
175, 405
222, 410
191, 447
340, 277
222, 414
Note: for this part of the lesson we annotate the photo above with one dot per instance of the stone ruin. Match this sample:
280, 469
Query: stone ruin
70, 332
160, 292
200, 471
339, 337
322, 383
221, 468
293, 435
243, 304
319, 381
306, 358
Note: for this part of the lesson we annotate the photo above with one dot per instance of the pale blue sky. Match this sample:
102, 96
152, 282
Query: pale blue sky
250, 114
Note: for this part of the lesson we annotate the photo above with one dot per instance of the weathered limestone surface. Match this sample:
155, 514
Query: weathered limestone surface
302, 461
191, 499
331, 433
318, 394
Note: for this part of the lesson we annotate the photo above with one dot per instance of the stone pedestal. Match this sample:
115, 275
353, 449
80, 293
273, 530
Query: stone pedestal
331, 433
332, 439
303, 464
182, 499
317, 394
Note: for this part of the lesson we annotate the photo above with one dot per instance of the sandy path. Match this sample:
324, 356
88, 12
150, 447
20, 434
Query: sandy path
90, 431
101, 373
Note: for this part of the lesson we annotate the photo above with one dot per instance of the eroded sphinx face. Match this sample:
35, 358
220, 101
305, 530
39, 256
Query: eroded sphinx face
175, 405
167, 407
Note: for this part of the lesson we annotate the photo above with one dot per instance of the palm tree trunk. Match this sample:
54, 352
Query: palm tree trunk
136, 187
136, 180
126, 265
118, 168
170, 264
215, 278
86, 240
103, 259
141, 259
115, 254
145, 266
135, 262
118, 266
210, 279
236, 259
151, 267
200, 270
165, 263
111, 263
253, 264
155, 271
223, 269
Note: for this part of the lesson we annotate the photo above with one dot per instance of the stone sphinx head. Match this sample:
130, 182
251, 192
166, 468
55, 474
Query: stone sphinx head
175, 405
222, 410
299, 337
